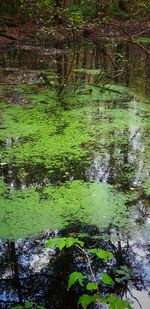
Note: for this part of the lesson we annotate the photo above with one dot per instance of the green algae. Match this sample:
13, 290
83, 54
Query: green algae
50, 133
93, 119
46, 133
27, 212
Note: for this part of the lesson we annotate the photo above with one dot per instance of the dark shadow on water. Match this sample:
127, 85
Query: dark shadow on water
30, 272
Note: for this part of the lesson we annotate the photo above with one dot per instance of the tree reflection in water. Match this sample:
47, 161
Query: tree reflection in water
30, 272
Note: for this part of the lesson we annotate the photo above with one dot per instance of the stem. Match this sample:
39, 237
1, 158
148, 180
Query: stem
137, 34
91, 270
89, 263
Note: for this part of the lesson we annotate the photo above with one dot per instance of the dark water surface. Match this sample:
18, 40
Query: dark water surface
75, 158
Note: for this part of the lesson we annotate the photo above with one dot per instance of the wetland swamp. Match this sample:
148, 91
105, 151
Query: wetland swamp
75, 161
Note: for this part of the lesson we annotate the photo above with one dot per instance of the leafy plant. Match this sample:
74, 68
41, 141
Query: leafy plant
74, 277
63, 242
83, 280
104, 255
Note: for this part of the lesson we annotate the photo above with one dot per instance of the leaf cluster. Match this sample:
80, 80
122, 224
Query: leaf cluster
77, 277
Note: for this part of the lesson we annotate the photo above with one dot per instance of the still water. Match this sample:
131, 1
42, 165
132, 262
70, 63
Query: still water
75, 161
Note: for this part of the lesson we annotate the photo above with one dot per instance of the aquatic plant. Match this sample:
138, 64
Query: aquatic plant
31, 210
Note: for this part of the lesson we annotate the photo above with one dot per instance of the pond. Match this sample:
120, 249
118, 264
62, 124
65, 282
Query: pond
75, 161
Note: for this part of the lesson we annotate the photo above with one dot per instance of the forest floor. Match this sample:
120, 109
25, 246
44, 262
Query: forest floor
17, 30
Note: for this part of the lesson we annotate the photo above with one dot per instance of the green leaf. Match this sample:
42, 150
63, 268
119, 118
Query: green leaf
85, 300
71, 241
63, 242
116, 303
107, 279
29, 304
75, 276
60, 242
52, 242
91, 286
102, 254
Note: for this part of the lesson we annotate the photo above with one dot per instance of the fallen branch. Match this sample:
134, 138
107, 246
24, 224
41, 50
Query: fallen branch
137, 34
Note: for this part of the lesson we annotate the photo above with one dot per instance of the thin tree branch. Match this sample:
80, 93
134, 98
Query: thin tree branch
148, 29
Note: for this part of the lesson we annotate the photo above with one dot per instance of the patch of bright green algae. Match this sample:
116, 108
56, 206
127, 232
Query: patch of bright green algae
47, 133
27, 212
94, 119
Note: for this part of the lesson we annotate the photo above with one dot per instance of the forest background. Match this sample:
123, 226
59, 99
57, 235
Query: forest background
67, 17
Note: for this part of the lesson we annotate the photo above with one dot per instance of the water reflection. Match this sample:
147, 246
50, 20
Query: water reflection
119, 156
28, 266
122, 62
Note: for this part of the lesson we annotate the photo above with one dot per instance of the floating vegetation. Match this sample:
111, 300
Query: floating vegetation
29, 211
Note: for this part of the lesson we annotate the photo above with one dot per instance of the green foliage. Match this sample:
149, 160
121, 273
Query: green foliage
86, 300
116, 303
78, 277
107, 279
146, 187
91, 286
3, 188
63, 242
76, 13
102, 254
74, 277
